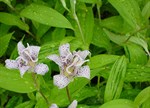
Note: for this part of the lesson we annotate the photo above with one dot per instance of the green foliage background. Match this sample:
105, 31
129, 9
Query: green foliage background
116, 32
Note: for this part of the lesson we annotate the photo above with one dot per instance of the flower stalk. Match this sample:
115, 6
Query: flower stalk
68, 94
38, 88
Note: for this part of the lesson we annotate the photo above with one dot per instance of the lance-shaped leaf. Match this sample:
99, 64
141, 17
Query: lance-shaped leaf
145, 11
8, 2
11, 19
4, 42
142, 96
130, 12
45, 15
122, 39
116, 79
119, 103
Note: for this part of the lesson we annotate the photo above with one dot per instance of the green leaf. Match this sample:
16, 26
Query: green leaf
135, 73
118, 39
102, 60
4, 29
139, 41
142, 96
59, 97
58, 34
145, 11
45, 15
123, 39
116, 79
100, 38
130, 12
41, 30
83, 22
8, 2
135, 54
88, 25
116, 24
89, 1
27, 104
4, 42
10, 79
119, 103
64, 4
146, 104
11, 19
41, 103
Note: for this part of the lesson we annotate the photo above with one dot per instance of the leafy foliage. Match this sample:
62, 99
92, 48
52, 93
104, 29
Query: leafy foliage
116, 32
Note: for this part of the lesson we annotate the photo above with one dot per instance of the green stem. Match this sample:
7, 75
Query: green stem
98, 82
38, 88
68, 94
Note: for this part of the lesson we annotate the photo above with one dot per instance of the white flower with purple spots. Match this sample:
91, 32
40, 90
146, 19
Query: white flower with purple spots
27, 60
70, 65
72, 105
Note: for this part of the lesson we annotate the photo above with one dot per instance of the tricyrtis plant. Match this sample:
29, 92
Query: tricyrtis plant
70, 65
27, 60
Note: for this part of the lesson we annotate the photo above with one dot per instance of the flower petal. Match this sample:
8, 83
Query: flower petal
11, 64
23, 69
20, 47
41, 69
64, 51
53, 106
56, 59
73, 104
34, 52
84, 72
61, 81
82, 54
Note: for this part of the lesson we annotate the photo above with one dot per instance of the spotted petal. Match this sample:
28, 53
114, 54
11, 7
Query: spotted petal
23, 69
20, 47
56, 59
34, 52
84, 72
64, 51
82, 54
61, 81
41, 69
53, 106
73, 104
11, 64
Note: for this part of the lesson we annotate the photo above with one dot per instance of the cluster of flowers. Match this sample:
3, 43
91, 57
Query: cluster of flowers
70, 65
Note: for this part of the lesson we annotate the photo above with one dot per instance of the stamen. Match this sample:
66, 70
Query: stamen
67, 69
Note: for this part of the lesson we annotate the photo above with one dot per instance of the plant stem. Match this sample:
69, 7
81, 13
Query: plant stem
38, 89
98, 82
68, 94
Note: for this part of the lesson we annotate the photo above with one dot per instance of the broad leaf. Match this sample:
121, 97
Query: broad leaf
135, 54
10, 79
102, 60
130, 12
100, 38
45, 15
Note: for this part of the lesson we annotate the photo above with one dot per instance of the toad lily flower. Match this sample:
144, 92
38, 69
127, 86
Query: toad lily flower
70, 65
27, 60
72, 105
